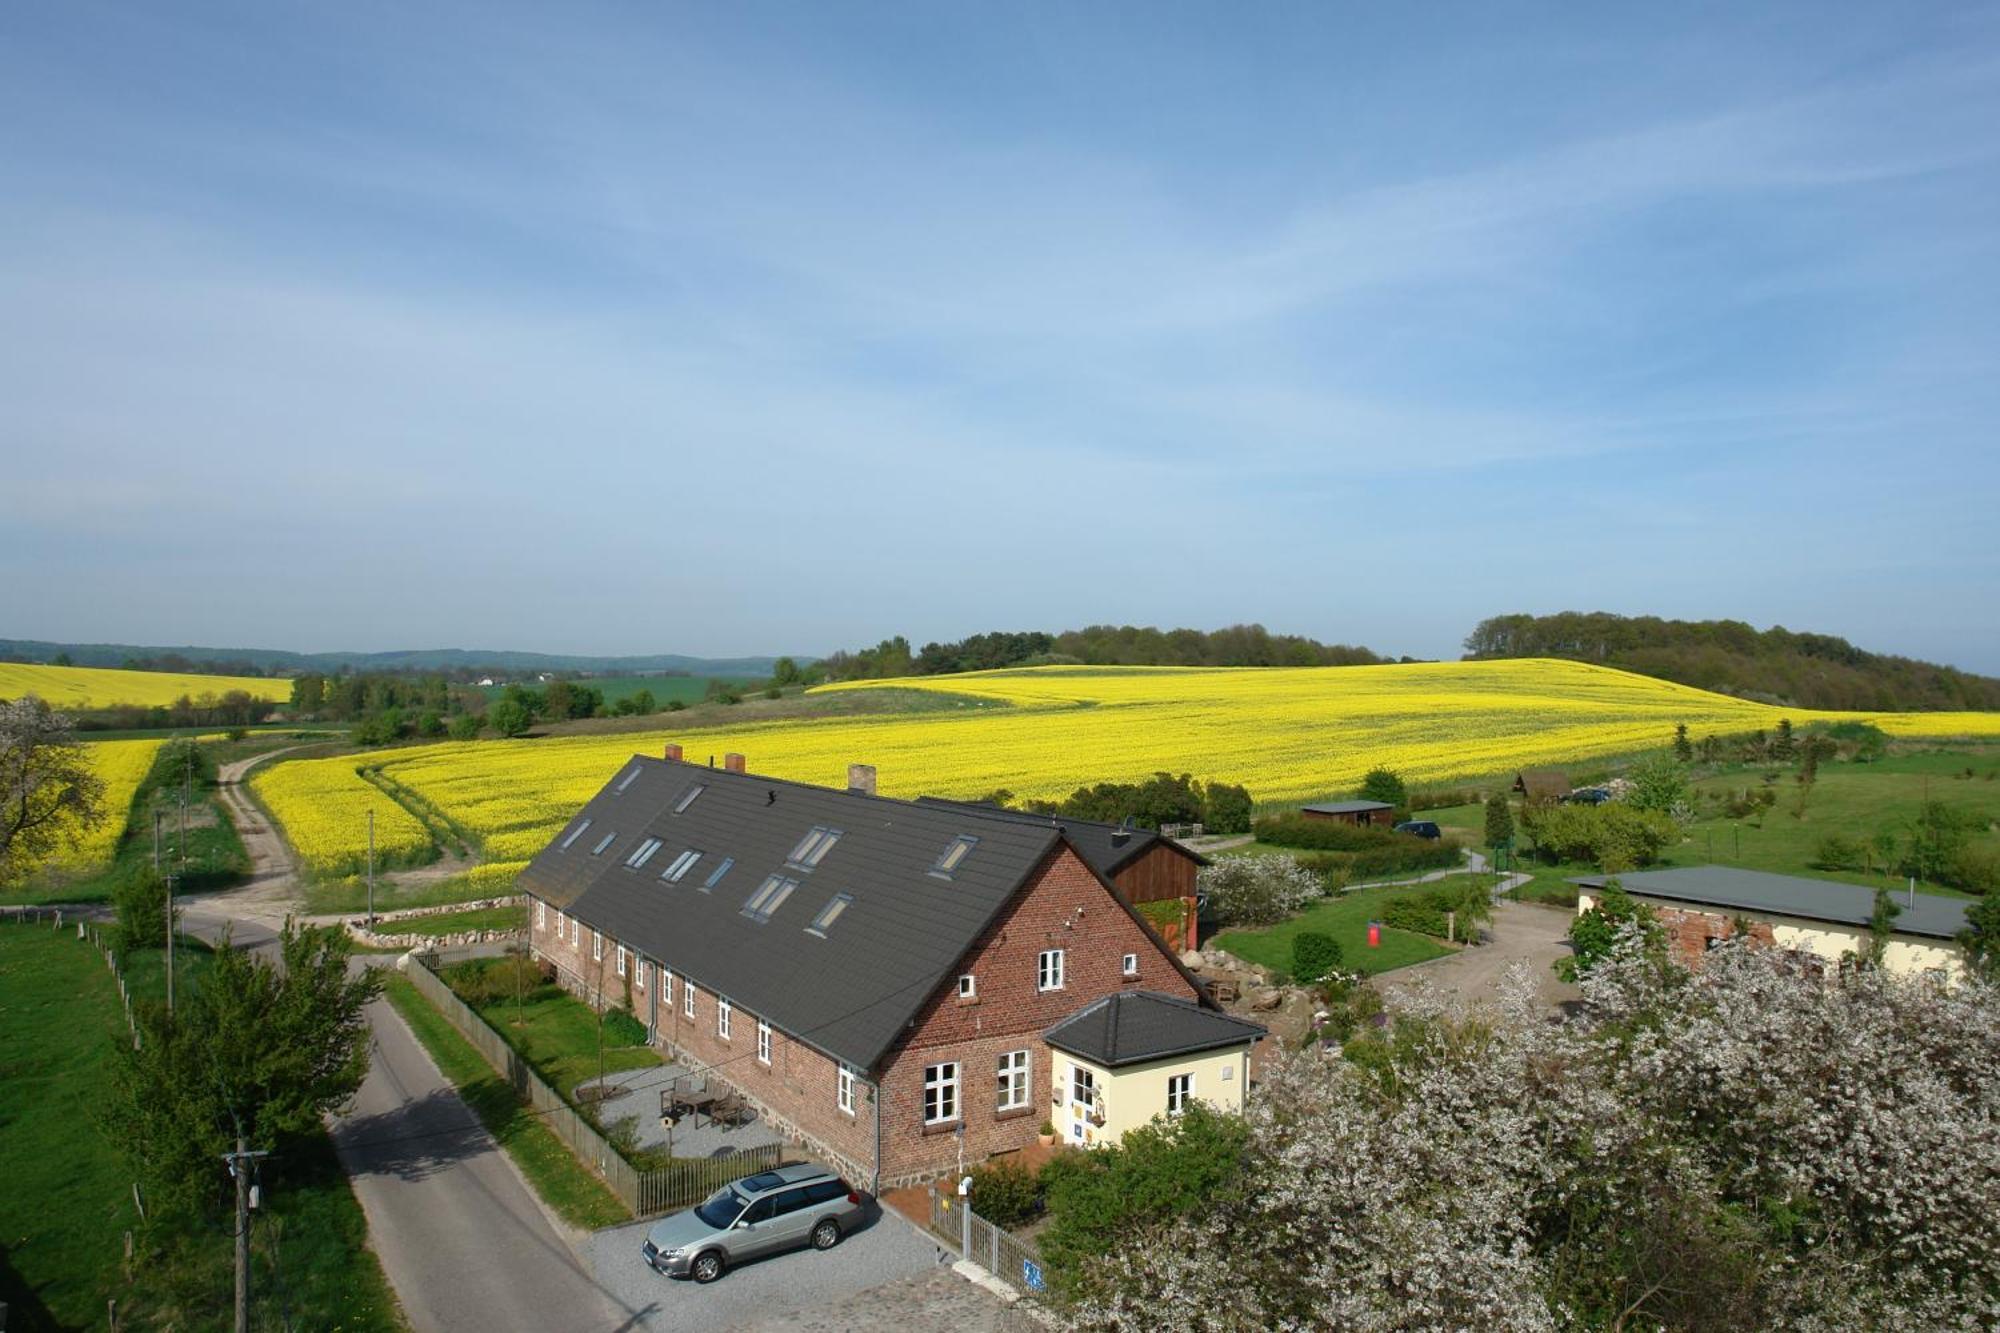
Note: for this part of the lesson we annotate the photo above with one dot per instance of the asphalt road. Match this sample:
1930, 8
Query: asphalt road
885, 1251
463, 1242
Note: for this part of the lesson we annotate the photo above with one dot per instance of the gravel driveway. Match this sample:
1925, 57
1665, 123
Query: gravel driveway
1521, 933
886, 1250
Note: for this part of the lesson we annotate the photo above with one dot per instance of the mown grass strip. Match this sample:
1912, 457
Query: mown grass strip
511, 916
564, 1183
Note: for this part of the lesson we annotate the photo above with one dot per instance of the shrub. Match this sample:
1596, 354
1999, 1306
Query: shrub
139, 896
1615, 836
464, 727
1440, 913
1837, 851
1323, 835
1313, 956
1974, 869
1256, 890
1384, 785
1225, 808
1006, 1193
622, 1029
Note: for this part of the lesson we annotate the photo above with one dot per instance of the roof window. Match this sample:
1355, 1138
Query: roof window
715, 875
604, 842
574, 834
829, 914
642, 853
680, 865
812, 848
631, 776
770, 895
687, 798
949, 859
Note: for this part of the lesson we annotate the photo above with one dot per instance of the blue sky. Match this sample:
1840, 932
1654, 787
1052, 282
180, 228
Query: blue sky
628, 328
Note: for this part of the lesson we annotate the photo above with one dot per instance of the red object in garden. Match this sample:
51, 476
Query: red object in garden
1374, 934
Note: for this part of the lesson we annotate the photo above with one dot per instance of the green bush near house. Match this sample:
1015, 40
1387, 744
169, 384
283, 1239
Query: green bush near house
1314, 954
1006, 1193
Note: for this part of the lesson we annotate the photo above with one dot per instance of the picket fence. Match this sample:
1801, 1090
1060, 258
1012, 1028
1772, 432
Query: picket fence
644, 1192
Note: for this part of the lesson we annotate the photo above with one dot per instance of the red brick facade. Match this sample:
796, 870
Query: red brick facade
1064, 906
1692, 933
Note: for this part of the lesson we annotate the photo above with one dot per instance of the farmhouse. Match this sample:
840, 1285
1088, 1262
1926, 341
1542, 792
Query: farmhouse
1154, 873
875, 975
1820, 919
1351, 812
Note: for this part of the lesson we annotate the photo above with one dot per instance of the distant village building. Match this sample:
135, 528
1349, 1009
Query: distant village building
1351, 812
903, 986
1821, 920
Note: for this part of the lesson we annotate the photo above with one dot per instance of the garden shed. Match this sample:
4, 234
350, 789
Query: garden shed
1541, 784
1352, 812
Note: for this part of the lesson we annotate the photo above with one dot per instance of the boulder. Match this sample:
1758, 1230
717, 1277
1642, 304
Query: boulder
1266, 999
1192, 961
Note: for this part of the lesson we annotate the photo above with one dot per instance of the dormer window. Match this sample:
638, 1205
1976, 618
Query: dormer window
574, 834
948, 861
812, 848
770, 895
688, 798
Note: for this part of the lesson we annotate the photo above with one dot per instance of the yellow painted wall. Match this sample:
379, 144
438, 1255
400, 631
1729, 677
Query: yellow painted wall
1904, 956
1134, 1094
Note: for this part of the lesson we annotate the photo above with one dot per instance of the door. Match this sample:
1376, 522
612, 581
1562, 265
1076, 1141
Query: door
756, 1232
794, 1220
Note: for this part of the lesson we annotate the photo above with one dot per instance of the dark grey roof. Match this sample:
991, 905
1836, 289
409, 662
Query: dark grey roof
850, 993
1789, 895
1133, 1027
1346, 807
1108, 847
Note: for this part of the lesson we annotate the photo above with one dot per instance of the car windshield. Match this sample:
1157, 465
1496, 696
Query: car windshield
722, 1208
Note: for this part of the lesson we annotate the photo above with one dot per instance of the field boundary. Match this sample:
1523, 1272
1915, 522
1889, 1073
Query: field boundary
442, 827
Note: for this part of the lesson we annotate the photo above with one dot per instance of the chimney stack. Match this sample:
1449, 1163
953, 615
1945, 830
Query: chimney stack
861, 779
733, 762
673, 752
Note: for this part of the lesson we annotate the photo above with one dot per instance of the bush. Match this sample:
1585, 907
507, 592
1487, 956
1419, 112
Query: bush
1006, 1193
1440, 913
1225, 808
1256, 890
482, 982
1384, 785
1313, 956
1837, 851
139, 896
464, 727
622, 1029
1323, 835
1974, 869
1614, 836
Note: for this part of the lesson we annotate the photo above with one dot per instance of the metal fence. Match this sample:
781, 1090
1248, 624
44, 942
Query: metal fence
644, 1192
995, 1249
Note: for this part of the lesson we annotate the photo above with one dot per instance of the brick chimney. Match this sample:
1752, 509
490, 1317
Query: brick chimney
861, 779
733, 762
673, 752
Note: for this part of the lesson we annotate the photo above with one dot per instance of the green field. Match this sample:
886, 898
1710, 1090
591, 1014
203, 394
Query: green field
1346, 918
557, 1034
67, 1198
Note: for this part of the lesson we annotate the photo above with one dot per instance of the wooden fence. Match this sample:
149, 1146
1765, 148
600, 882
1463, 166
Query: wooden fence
644, 1192
993, 1248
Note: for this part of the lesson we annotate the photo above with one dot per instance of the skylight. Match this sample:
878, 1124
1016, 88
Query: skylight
949, 859
574, 834
631, 776
830, 913
680, 865
604, 842
687, 798
812, 848
642, 853
715, 876
770, 895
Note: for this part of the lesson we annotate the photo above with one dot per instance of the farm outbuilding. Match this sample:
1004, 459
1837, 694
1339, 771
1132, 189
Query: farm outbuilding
1541, 784
1352, 812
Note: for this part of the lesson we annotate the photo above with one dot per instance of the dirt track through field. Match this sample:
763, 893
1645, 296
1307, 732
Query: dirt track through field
272, 892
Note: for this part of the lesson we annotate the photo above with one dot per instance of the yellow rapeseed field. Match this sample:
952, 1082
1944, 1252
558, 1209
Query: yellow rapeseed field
99, 687
1287, 734
322, 806
123, 765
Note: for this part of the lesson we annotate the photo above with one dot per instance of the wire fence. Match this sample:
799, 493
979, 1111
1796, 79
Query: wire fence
995, 1249
645, 1192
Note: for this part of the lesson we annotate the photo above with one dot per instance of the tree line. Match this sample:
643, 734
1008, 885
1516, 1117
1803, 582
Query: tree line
1730, 657
1093, 645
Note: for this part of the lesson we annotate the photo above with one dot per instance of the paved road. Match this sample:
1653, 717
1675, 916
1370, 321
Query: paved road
782, 1285
463, 1242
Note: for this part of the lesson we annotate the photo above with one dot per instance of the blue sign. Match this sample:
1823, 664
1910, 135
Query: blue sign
1031, 1273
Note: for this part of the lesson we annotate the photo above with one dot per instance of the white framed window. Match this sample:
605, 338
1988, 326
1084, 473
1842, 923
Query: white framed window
763, 1042
687, 998
1082, 1086
941, 1093
722, 1011
642, 974
1179, 1089
596, 946
1049, 970
968, 986
575, 933
541, 915
1013, 1081
621, 960
667, 987
1129, 964
843, 1089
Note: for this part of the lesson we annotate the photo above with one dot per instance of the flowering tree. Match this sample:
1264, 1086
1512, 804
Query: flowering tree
1256, 890
1746, 1147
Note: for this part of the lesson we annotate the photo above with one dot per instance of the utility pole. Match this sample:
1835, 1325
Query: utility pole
242, 1163
371, 867
156, 840
170, 946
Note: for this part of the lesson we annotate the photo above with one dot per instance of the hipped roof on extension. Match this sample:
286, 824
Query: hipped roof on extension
850, 992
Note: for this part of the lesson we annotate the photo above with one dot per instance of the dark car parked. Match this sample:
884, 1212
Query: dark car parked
1422, 828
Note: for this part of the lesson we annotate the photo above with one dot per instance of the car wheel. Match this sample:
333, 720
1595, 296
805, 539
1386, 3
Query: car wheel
708, 1267
826, 1235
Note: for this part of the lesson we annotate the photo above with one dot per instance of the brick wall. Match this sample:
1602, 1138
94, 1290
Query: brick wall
1692, 933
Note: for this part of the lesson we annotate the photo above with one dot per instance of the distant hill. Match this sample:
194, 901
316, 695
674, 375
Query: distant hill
1094, 645
1776, 665
271, 661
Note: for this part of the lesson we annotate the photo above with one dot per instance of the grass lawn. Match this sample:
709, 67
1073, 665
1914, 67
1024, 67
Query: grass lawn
511, 916
1550, 884
1469, 820
67, 1198
557, 1034
1345, 918
350, 894
564, 1183
1856, 800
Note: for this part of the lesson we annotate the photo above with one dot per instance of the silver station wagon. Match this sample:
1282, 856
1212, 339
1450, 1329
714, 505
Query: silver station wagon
758, 1215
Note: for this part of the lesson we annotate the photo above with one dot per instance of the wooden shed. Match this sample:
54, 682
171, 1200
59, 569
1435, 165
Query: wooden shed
1352, 812
1541, 784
